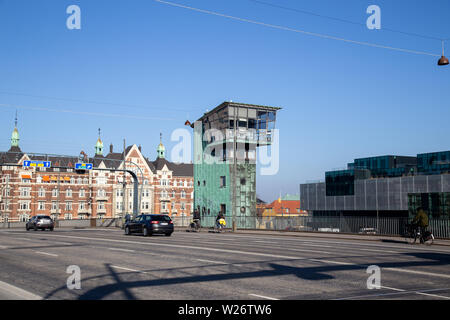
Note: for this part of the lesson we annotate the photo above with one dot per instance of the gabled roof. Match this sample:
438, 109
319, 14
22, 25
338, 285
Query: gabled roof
179, 170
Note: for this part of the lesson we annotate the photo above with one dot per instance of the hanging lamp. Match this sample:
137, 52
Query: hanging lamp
443, 61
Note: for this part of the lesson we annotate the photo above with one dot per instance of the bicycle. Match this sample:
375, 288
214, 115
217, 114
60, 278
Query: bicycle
194, 226
413, 233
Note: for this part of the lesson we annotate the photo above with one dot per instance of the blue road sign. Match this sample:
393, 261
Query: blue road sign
38, 164
84, 166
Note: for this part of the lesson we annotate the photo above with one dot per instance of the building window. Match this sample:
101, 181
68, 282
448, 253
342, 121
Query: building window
69, 206
39, 179
82, 205
82, 193
183, 194
101, 193
173, 194
41, 205
41, 192
24, 192
101, 205
183, 206
55, 193
85, 181
68, 216
69, 193
223, 181
54, 205
24, 205
24, 218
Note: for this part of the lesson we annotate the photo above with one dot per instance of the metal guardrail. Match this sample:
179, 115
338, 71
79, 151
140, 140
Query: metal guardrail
387, 226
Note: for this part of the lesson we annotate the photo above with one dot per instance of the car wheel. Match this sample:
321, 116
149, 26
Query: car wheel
26, 227
127, 231
145, 232
51, 229
168, 234
35, 228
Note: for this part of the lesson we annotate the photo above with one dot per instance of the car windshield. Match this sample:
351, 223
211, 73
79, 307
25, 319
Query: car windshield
44, 217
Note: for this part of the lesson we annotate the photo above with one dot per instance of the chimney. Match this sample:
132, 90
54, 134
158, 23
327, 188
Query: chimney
140, 148
111, 148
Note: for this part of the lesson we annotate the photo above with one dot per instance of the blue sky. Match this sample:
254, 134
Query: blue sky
159, 65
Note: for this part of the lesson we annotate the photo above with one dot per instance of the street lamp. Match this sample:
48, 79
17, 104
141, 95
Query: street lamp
443, 61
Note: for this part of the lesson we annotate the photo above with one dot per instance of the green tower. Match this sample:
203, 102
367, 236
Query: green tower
161, 151
99, 145
225, 144
15, 134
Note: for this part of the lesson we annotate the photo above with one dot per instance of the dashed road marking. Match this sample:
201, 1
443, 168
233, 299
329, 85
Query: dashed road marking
263, 297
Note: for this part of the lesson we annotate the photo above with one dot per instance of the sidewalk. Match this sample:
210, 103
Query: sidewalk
330, 235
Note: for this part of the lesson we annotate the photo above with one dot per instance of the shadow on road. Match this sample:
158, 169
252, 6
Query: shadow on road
272, 269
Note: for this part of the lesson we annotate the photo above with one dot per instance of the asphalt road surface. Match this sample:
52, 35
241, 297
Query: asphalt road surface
207, 266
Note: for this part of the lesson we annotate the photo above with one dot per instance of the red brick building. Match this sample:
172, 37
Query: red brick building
165, 187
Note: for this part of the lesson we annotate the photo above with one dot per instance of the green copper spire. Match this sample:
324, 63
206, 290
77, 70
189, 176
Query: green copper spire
99, 145
15, 135
161, 151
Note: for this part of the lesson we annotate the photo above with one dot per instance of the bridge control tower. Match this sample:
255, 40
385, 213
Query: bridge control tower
225, 144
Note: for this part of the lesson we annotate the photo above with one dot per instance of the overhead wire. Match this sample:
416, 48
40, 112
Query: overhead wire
412, 34
98, 114
279, 27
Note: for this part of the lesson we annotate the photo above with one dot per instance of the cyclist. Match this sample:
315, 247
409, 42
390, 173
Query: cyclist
421, 222
220, 221
196, 223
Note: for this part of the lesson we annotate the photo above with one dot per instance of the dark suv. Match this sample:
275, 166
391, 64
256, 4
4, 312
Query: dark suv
148, 224
40, 222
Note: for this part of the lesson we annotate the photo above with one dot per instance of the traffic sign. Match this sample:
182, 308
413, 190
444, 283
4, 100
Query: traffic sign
38, 164
84, 166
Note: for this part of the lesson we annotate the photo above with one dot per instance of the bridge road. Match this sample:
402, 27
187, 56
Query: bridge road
197, 266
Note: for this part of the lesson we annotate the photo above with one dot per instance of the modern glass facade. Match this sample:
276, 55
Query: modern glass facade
436, 204
433, 163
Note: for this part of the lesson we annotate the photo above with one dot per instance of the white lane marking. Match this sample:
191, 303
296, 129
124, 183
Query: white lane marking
419, 272
210, 261
441, 275
263, 297
433, 295
306, 250
185, 247
3, 247
120, 249
402, 246
246, 253
332, 262
46, 253
419, 292
395, 289
400, 292
127, 269
17, 293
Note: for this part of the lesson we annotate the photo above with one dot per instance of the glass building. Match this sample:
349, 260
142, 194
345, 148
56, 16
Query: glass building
385, 185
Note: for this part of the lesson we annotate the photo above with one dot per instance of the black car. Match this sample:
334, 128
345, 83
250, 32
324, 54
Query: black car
148, 224
40, 222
